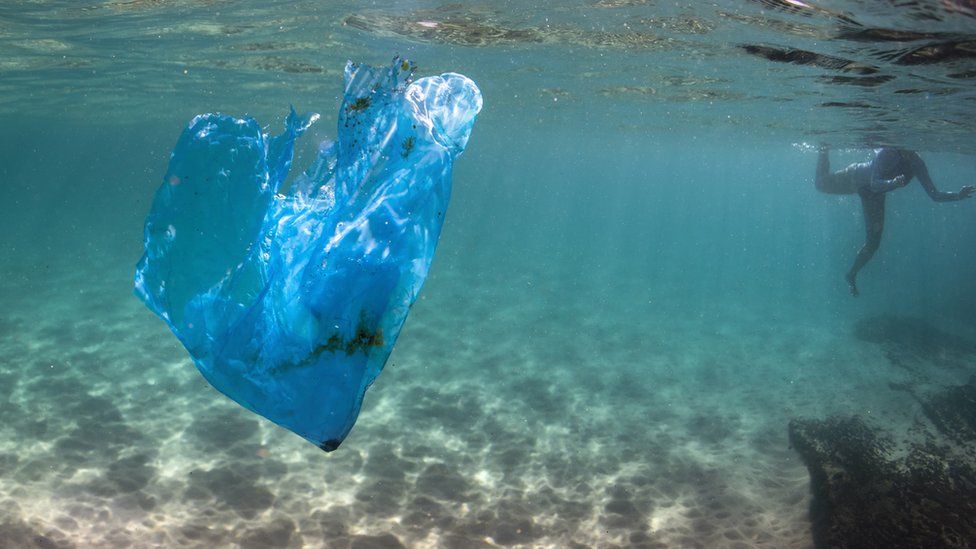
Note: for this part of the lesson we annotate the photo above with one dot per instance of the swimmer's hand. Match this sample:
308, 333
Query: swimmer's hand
966, 192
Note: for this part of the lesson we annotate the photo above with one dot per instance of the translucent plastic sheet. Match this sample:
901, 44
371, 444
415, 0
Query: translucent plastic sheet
290, 304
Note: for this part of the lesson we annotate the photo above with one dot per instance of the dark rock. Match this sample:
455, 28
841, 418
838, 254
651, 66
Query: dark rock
953, 412
865, 497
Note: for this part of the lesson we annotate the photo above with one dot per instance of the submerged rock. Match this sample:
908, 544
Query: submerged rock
869, 491
290, 303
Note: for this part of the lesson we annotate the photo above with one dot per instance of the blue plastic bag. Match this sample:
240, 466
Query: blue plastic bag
290, 303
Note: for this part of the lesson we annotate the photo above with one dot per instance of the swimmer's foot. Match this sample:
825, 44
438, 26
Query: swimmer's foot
852, 282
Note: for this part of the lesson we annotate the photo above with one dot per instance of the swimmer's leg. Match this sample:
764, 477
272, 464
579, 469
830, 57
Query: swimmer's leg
841, 182
873, 205
823, 168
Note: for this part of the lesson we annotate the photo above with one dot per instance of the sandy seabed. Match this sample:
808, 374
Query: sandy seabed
515, 411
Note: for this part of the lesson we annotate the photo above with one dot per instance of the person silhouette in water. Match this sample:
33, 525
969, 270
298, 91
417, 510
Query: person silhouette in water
892, 168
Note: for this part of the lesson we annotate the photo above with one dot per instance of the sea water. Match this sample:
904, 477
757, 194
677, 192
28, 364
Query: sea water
637, 286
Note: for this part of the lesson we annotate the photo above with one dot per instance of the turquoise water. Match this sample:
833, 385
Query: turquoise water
637, 286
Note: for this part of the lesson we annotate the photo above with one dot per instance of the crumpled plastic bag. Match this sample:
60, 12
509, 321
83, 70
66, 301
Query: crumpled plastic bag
290, 301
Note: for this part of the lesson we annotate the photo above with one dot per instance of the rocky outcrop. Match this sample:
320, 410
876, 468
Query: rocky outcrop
871, 491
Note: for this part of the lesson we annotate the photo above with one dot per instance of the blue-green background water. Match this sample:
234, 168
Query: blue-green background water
633, 294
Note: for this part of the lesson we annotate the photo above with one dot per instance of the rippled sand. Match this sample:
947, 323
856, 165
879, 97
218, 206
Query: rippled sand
516, 410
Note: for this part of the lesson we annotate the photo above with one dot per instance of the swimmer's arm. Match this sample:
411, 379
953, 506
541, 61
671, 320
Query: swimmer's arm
922, 172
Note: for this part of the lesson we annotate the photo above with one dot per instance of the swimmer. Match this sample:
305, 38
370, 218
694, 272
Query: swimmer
892, 168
